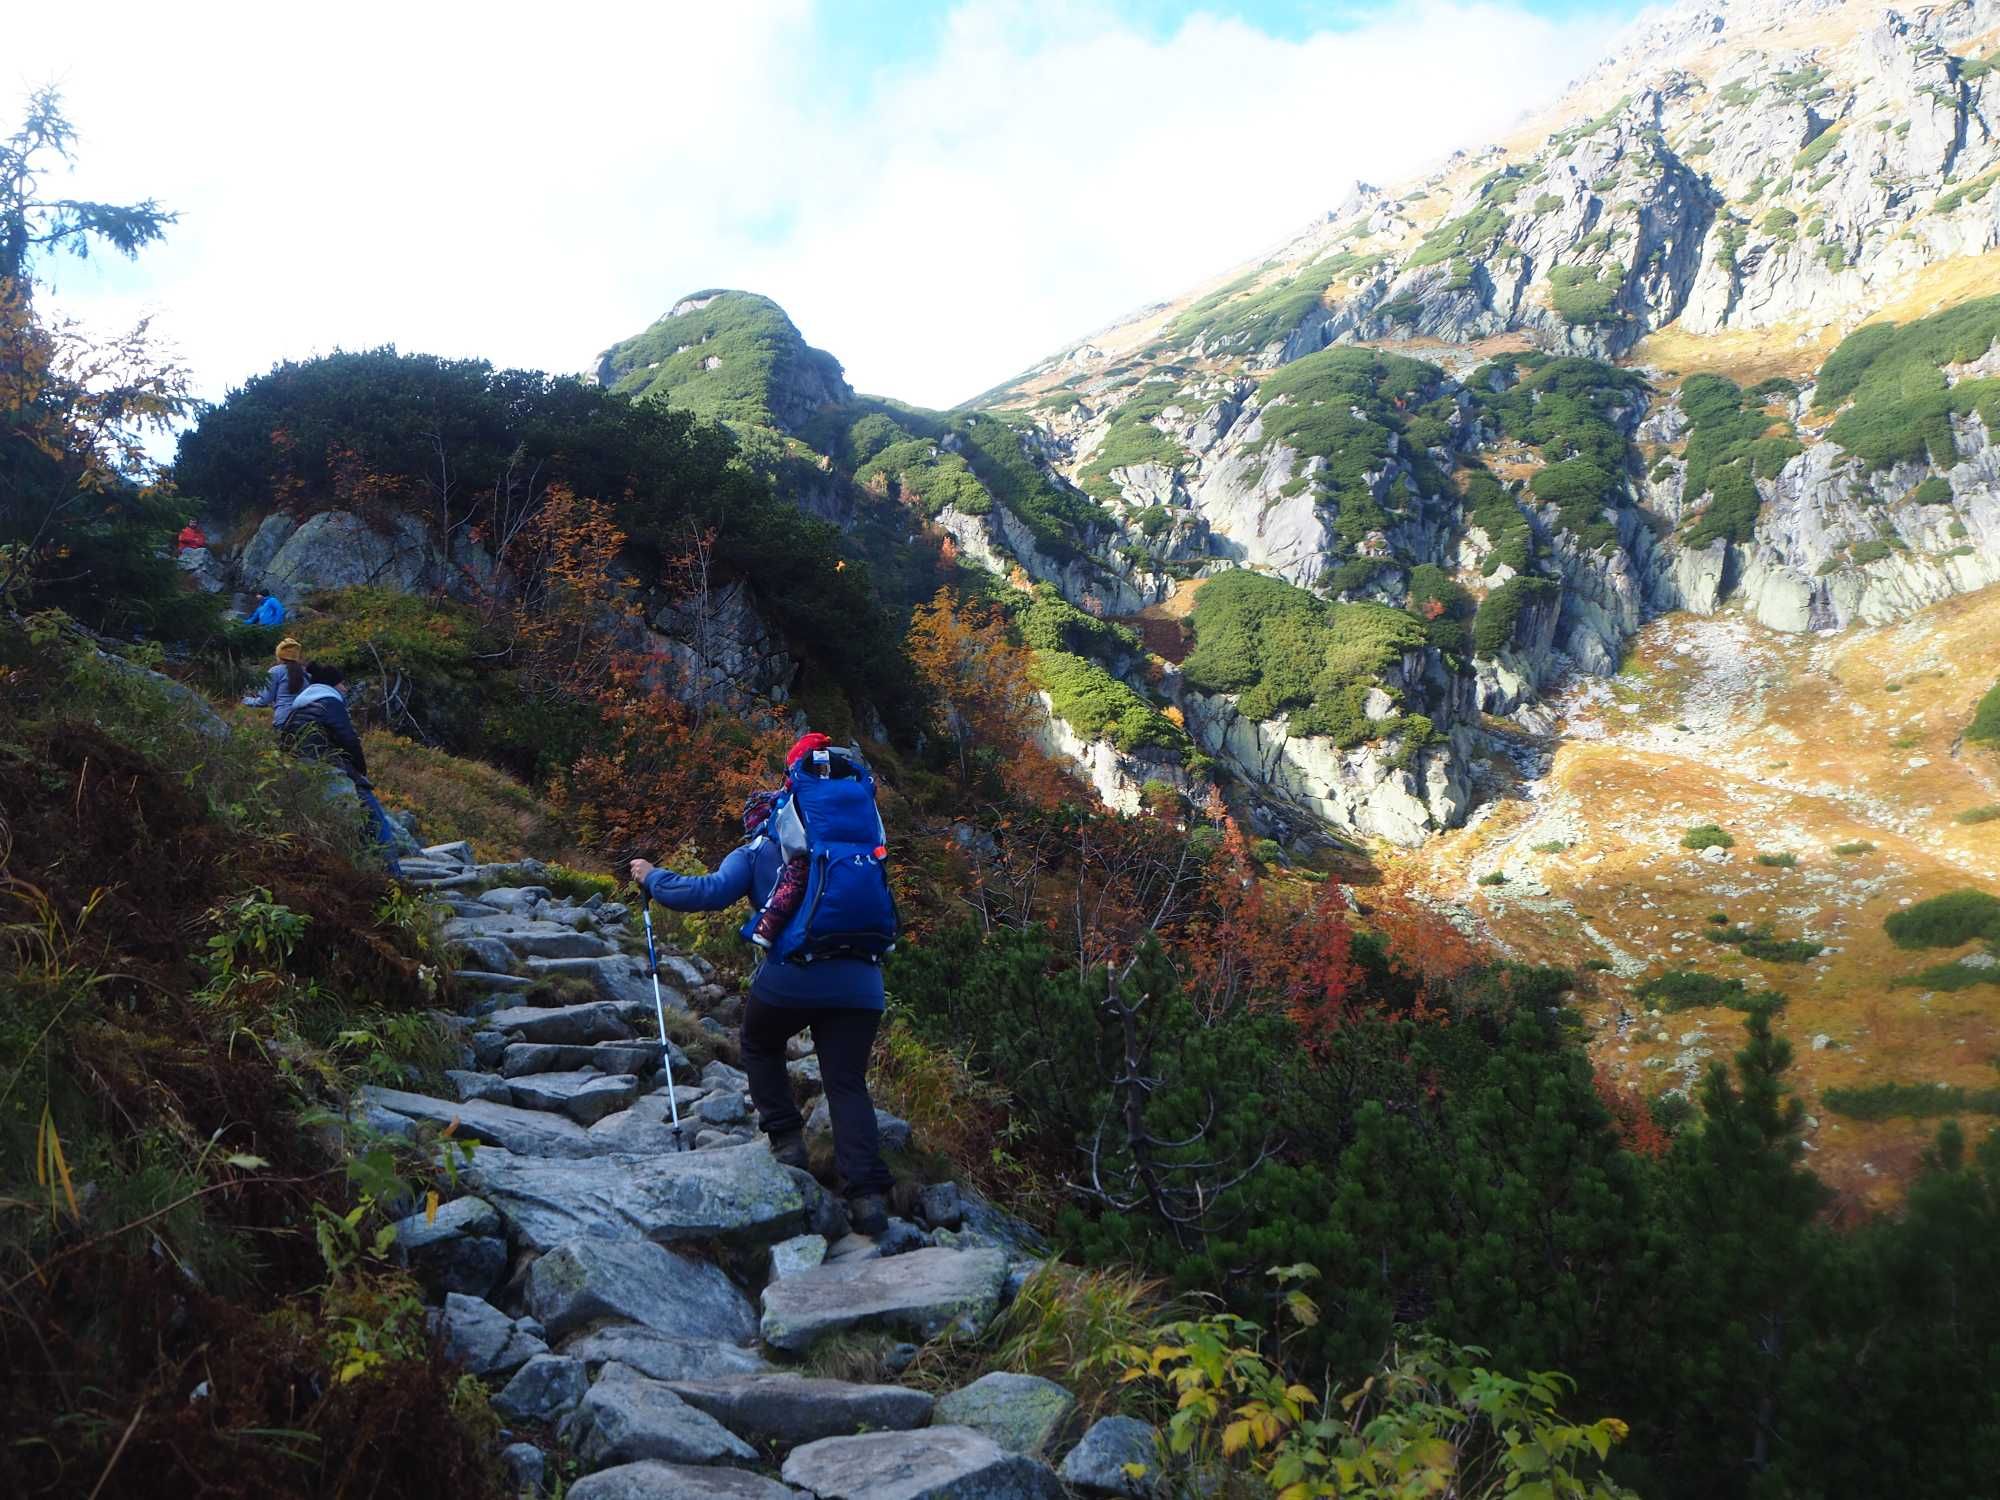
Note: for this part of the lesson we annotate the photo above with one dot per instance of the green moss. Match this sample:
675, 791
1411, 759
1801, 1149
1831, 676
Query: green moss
1286, 651
1099, 706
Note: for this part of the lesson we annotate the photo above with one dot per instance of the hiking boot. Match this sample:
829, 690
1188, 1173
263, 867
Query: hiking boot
790, 1149
867, 1214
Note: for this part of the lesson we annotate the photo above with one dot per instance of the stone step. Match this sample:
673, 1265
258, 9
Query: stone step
627, 1417
458, 853
919, 1294
585, 1281
650, 1479
585, 1096
576, 1025
459, 882
520, 1132
663, 1356
487, 979
639, 1057
738, 1194
620, 976
933, 1464
782, 1411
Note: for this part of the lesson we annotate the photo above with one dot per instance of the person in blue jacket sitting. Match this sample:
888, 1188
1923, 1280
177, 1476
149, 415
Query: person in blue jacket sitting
270, 610
840, 999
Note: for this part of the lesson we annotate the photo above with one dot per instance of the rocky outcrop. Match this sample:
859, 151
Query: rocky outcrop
336, 549
1120, 777
717, 648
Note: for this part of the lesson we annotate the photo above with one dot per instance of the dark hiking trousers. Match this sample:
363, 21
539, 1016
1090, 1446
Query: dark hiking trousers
843, 1035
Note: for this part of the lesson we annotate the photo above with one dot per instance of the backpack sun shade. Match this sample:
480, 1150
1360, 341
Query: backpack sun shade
827, 812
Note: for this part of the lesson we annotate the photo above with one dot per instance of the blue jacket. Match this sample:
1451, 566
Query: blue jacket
750, 871
270, 612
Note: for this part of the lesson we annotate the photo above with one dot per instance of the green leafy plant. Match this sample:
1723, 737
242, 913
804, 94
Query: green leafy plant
1431, 1420
1707, 836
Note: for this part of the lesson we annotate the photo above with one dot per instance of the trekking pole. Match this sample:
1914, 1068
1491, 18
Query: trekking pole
660, 1011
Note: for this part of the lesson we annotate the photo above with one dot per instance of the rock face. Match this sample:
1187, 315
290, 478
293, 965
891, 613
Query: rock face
338, 549
650, 1479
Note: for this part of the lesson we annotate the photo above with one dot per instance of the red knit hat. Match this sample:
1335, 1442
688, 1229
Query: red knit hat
807, 743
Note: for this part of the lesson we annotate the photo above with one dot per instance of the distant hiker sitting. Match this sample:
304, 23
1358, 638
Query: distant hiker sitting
318, 728
191, 537
282, 684
270, 610
824, 956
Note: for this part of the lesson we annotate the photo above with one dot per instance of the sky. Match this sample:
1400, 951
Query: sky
941, 194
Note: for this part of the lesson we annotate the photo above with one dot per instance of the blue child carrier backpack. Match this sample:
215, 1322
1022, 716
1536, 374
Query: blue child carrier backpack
828, 809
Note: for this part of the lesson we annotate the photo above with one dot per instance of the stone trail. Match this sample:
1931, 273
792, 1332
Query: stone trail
640, 1312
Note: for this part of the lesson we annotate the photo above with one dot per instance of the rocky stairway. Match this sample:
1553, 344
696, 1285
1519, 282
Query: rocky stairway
640, 1311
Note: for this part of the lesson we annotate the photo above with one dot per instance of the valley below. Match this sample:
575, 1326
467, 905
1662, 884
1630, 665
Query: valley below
1836, 765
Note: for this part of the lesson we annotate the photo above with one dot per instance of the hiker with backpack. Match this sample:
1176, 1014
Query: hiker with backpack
812, 869
318, 727
282, 684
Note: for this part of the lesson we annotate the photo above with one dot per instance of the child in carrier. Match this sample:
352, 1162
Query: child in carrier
790, 888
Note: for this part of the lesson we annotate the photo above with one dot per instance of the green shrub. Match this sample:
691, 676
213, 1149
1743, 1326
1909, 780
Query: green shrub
1986, 814
1952, 199
1935, 490
1707, 836
1760, 943
1785, 861
1901, 408
1727, 451
1132, 439
1857, 846
1545, 203
931, 477
1779, 221
1985, 726
1688, 989
1284, 651
1585, 297
1946, 921
1550, 846
1049, 622
1493, 877
1099, 706
1816, 151
1494, 627
1888, 1101
1873, 550
1956, 975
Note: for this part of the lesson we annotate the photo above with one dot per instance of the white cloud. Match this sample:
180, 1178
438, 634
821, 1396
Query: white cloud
532, 183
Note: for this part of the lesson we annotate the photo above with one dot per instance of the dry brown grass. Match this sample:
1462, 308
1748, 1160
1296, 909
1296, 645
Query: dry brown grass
1834, 756
465, 799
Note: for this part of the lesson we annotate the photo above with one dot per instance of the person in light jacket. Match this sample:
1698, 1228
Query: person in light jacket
282, 684
318, 727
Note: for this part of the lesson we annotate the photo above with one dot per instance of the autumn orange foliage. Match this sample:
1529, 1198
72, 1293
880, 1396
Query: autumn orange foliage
1633, 1121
